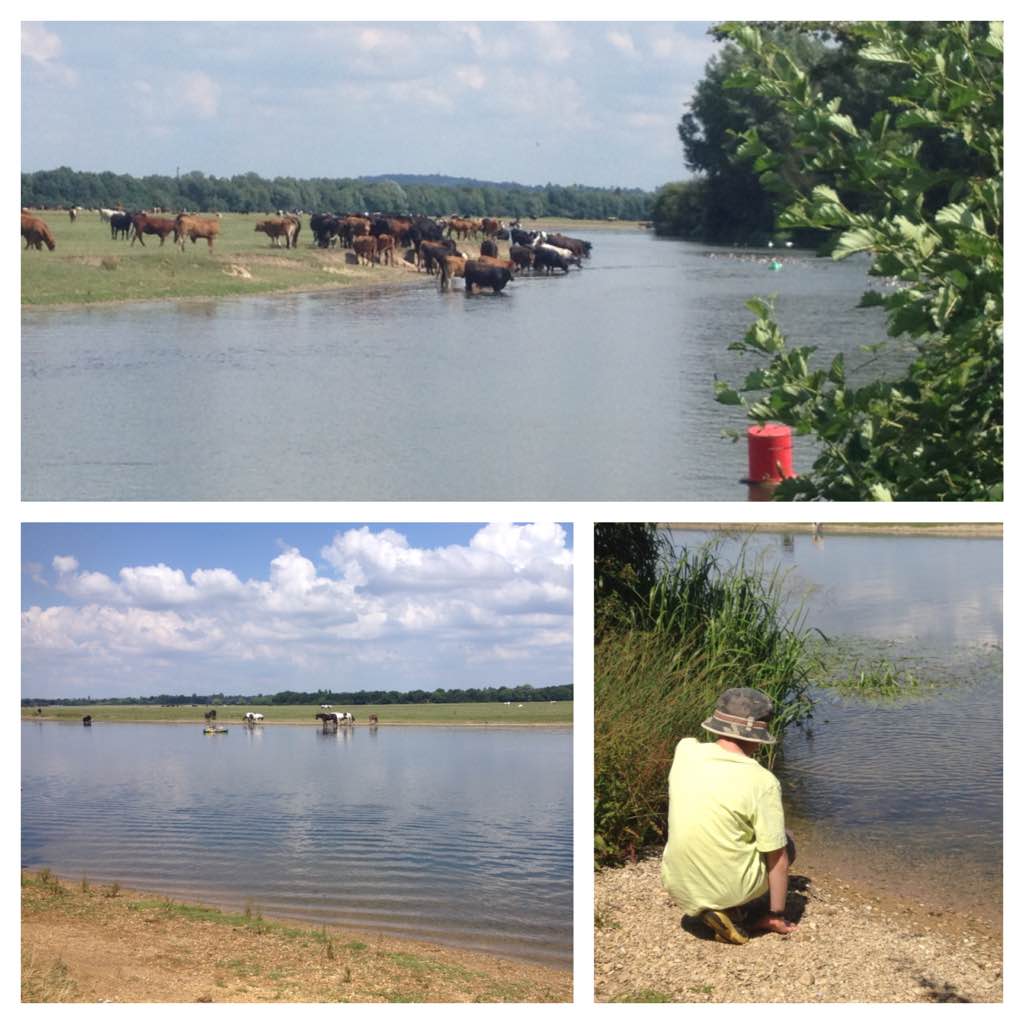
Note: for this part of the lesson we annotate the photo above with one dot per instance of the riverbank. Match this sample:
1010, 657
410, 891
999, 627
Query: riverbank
853, 944
527, 713
89, 268
839, 529
89, 943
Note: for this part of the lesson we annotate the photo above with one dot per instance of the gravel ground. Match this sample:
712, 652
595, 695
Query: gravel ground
850, 947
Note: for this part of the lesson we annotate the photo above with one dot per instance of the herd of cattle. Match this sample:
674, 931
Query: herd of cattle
428, 243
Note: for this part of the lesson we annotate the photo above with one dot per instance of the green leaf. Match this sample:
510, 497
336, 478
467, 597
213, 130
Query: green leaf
857, 240
879, 492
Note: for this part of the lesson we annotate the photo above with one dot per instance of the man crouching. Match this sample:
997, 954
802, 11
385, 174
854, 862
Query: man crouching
727, 842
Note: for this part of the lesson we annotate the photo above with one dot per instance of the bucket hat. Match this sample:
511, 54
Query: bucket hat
742, 713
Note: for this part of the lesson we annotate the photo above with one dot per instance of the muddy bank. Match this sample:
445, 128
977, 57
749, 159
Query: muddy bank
88, 943
853, 945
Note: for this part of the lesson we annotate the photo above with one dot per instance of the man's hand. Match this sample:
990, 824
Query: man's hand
773, 923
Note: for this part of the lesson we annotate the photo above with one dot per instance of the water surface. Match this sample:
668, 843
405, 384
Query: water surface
459, 836
914, 785
598, 385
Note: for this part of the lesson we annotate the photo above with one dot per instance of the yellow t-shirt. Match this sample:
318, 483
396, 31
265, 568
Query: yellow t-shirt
724, 811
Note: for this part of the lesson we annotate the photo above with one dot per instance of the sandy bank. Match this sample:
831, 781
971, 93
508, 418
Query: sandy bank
852, 945
95, 946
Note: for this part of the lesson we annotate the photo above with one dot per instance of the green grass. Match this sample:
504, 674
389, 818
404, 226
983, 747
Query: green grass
644, 995
704, 627
88, 266
493, 714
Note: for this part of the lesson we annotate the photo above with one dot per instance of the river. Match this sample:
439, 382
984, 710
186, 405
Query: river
907, 795
458, 836
593, 386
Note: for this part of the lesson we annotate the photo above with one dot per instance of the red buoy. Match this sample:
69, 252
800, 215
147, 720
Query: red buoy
770, 453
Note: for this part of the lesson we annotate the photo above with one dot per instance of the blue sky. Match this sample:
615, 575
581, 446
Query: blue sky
594, 103
135, 609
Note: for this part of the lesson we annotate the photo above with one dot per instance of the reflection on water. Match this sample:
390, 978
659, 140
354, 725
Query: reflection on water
919, 782
460, 836
594, 385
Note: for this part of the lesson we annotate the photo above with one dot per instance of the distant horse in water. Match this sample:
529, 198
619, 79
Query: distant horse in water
211, 715
86, 719
374, 719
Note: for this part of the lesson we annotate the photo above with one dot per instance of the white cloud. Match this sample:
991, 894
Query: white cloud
201, 93
43, 48
472, 76
623, 42
376, 601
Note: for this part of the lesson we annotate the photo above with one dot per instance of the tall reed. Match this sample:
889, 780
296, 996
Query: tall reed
704, 626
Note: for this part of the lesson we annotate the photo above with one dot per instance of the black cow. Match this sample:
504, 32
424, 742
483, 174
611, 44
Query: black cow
431, 253
120, 224
484, 275
324, 226
575, 245
520, 237
488, 247
549, 260
521, 256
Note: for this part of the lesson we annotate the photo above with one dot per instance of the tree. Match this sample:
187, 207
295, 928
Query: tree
920, 189
679, 209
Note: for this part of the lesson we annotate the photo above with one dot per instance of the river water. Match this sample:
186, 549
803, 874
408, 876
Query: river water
598, 385
906, 795
458, 836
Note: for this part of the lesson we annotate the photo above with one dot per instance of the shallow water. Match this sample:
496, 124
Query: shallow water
598, 385
459, 836
916, 784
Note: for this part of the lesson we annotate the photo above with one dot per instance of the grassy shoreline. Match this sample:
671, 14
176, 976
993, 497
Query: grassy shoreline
89, 268
990, 530
535, 714
83, 942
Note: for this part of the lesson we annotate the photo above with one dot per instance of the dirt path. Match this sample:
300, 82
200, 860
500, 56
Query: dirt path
124, 947
850, 947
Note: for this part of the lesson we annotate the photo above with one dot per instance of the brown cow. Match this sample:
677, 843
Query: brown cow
187, 226
147, 224
365, 247
277, 228
36, 233
490, 227
493, 261
451, 267
461, 227
386, 250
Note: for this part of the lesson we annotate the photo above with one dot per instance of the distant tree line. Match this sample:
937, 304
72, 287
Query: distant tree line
249, 193
473, 695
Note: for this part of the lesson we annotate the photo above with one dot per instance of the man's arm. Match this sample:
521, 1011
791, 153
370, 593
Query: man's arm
778, 882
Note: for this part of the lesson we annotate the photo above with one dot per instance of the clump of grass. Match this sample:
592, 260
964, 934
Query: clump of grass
112, 890
703, 627
85, 884
644, 995
52, 984
109, 263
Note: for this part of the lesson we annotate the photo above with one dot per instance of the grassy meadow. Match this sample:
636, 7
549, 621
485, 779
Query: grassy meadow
88, 266
494, 714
